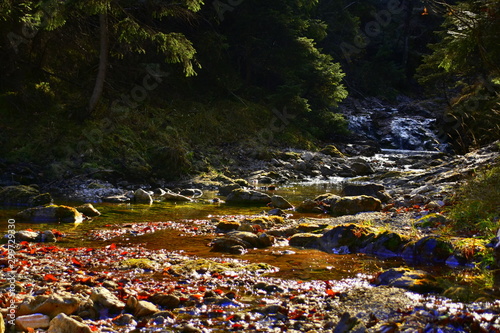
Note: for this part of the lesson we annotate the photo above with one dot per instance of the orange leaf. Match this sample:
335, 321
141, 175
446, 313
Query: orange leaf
111, 246
330, 292
76, 262
50, 278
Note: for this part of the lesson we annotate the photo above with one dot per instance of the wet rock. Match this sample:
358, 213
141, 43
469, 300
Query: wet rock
165, 300
348, 237
280, 202
311, 206
385, 245
52, 213
64, 324
140, 308
121, 198
191, 192
32, 321
33, 236
88, 210
247, 197
22, 195
355, 204
170, 196
104, 299
141, 196
306, 240
413, 280
430, 249
226, 189
276, 212
361, 168
51, 305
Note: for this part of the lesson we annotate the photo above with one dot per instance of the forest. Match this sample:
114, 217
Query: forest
153, 88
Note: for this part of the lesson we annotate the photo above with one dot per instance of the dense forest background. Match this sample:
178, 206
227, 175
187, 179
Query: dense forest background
153, 88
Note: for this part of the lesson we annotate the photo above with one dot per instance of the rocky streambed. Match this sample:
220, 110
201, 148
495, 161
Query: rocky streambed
202, 274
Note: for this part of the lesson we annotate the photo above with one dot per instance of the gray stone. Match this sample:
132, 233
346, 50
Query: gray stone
104, 298
306, 240
33, 321
280, 202
249, 197
141, 196
88, 210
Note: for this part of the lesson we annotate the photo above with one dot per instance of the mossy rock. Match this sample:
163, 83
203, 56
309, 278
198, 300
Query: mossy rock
305, 239
351, 236
385, 244
247, 197
23, 195
331, 150
51, 213
430, 249
413, 280
142, 263
203, 266
430, 221
226, 226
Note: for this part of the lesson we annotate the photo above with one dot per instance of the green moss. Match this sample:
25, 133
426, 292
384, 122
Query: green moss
476, 210
142, 263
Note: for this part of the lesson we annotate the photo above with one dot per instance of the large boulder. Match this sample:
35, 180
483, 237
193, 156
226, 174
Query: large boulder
347, 238
280, 202
22, 195
141, 196
355, 204
50, 305
426, 250
247, 197
52, 213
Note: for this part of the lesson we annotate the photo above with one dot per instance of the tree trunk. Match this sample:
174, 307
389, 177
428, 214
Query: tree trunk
103, 64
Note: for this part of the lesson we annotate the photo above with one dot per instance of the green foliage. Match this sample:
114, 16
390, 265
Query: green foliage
464, 68
476, 211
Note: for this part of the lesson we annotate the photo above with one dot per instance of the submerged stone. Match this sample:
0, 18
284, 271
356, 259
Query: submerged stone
413, 280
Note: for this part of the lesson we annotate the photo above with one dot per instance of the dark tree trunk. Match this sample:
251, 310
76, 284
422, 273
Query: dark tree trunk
103, 64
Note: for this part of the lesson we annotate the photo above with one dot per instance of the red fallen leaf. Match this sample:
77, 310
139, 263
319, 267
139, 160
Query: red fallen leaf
111, 246
29, 229
416, 206
76, 262
123, 253
330, 292
94, 328
237, 326
197, 296
89, 249
230, 317
50, 278
218, 291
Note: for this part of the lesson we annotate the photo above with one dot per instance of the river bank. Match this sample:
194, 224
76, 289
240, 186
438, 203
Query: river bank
125, 266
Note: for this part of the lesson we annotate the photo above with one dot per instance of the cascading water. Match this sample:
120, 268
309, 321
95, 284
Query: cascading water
394, 129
